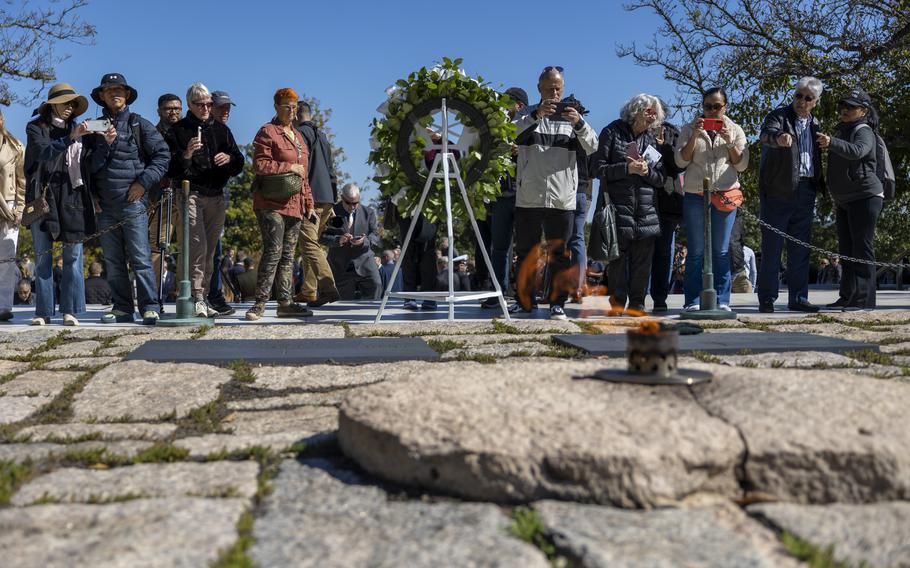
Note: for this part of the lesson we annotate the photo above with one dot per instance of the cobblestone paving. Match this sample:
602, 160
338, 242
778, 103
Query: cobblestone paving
112, 463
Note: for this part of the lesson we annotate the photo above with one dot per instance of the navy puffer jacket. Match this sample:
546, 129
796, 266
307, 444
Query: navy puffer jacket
114, 168
634, 197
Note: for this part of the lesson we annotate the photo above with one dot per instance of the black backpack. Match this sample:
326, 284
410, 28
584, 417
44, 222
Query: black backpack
884, 169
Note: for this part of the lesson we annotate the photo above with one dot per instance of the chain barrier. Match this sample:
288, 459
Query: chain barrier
810, 246
114, 227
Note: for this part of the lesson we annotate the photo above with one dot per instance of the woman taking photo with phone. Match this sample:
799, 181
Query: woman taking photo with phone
858, 196
53, 162
711, 148
12, 202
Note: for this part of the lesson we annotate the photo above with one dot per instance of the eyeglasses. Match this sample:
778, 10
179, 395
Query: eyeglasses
204, 105
549, 68
351, 203
802, 97
713, 106
171, 109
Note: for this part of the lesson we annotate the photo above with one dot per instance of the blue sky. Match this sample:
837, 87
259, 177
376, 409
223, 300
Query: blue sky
347, 53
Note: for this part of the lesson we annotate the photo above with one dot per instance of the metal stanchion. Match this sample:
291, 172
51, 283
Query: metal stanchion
186, 315
708, 309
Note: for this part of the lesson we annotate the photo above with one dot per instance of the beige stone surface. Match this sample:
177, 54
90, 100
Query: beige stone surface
75, 431
38, 383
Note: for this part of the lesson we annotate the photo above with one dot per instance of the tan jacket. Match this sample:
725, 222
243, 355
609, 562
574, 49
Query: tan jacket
711, 159
12, 177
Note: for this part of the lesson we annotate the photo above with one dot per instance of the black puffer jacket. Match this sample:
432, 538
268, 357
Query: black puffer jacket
633, 196
200, 170
670, 200
778, 172
851, 163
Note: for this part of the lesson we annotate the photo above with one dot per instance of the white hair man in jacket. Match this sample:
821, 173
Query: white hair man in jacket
547, 179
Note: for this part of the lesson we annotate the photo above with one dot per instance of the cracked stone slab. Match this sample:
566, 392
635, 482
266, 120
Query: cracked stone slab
876, 534
711, 537
347, 523
332, 398
294, 331
17, 408
274, 429
39, 383
11, 367
73, 349
486, 339
816, 436
81, 363
115, 352
320, 378
139, 390
890, 317
792, 359
837, 330
143, 532
58, 433
74, 485
423, 328
14, 350
98, 334
523, 431
30, 338
499, 350
43, 451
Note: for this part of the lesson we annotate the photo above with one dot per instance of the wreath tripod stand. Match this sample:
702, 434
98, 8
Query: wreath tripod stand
445, 160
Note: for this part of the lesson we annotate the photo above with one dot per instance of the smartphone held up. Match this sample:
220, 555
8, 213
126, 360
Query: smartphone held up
713, 124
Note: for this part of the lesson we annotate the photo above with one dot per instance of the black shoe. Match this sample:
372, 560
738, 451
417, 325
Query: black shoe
222, 308
803, 307
324, 298
839, 304
659, 308
766, 307
490, 303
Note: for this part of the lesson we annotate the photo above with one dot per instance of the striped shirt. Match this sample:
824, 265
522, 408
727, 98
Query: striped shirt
804, 140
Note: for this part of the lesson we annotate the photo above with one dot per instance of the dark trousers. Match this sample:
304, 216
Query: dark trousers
216, 291
481, 272
418, 266
855, 235
350, 283
557, 228
662, 259
502, 225
794, 217
628, 275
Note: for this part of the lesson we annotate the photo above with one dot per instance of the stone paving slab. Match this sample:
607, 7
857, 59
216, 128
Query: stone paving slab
73, 485
333, 398
715, 537
79, 363
140, 390
290, 331
844, 332
816, 436
287, 351
793, 360
17, 408
42, 451
11, 367
489, 338
321, 378
876, 534
522, 431
38, 383
154, 533
107, 432
424, 328
329, 519
73, 349
498, 350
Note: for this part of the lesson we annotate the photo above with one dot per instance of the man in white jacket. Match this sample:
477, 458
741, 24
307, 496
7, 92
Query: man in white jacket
547, 175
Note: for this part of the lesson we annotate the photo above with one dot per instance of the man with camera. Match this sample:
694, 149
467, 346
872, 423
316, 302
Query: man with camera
127, 161
789, 177
350, 234
548, 139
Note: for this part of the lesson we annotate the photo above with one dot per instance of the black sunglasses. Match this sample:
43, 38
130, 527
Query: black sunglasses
350, 202
802, 97
714, 106
549, 68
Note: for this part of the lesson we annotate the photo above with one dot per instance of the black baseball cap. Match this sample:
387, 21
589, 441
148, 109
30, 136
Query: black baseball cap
518, 94
857, 98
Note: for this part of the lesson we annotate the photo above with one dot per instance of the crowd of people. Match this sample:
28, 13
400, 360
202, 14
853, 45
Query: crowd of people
75, 177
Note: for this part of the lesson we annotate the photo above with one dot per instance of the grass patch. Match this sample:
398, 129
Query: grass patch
61, 408
757, 326
55, 341
562, 351
444, 345
161, 452
589, 328
236, 556
893, 341
749, 363
477, 358
345, 326
243, 371
200, 331
203, 420
814, 556
870, 356
705, 357
500, 327
745, 351
777, 364
527, 526
12, 476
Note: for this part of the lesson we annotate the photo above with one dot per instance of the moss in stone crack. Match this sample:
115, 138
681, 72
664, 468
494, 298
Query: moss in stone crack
12, 476
500, 327
893, 341
749, 363
60, 408
55, 341
477, 358
204, 420
161, 452
705, 357
236, 556
200, 331
444, 345
589, 328
777, 364
813, 555
527, 526
746, 351
881, 326
346, 327
562, 351
757, 326
243, 371
870, 356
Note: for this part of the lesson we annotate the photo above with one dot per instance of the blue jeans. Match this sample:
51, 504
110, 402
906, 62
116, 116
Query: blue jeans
794, 217
501, 224
721, 227
72, 284
577, 240
129, 243
662, 261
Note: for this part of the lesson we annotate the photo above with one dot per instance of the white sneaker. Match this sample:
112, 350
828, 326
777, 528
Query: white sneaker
725, 307
70, 320
692, 308
203, 310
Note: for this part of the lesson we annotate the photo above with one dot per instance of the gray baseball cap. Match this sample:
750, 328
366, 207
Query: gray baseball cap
220, 98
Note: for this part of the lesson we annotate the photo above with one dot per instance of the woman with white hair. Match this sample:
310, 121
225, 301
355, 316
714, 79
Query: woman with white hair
205, 154
629, 166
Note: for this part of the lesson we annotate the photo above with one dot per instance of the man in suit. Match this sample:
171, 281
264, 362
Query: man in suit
350, 234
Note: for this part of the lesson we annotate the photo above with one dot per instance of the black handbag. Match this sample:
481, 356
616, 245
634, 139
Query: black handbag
278, 187
38, 208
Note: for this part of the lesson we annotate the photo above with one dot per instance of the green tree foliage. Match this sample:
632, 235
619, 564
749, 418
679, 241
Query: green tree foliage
757, 49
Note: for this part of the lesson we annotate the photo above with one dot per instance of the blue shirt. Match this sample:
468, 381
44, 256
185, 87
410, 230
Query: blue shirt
804, 141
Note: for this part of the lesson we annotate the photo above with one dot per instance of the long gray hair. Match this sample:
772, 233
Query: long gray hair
638, 104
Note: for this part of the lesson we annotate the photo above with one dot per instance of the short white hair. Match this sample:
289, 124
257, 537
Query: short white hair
350, 190
813, 84
196, 92
638, 104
